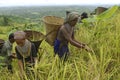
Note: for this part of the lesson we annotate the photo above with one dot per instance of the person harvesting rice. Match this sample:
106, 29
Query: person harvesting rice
6, 53
66, 35
25, 50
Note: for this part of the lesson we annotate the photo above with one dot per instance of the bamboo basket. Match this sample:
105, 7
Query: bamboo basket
99, 10
1, 43
35, 37
52, 25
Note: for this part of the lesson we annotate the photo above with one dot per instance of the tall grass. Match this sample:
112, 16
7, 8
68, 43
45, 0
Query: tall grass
101, 64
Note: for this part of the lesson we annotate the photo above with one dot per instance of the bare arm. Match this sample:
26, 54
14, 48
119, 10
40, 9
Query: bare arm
35, 59
74, 42
85, 45
69, 38
77, 41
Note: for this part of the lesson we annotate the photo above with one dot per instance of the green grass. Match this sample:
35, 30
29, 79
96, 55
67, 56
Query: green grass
101, 64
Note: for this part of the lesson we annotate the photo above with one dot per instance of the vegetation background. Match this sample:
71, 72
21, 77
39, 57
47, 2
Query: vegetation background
101, 35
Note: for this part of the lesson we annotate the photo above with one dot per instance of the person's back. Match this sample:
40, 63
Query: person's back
7, 47
5, 51
60, 35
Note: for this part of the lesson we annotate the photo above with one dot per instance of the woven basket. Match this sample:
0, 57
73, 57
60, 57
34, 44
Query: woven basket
35, 37
1, 43
99, 10
52, 25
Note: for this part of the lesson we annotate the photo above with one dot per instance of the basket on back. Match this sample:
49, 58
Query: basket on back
35, 37
1, 44
52, 25
99, 10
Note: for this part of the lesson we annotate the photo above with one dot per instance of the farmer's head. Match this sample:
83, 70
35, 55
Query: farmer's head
20, 38
67, 12
72, 18
84, 15
11, 38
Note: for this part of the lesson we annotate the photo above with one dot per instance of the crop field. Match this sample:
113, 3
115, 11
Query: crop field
102, 34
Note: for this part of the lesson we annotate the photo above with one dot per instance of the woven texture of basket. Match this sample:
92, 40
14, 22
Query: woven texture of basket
52, 25
1, 43
35, 37
99, 10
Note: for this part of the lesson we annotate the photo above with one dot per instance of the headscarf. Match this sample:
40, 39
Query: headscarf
71, 16
26, 49
19, 35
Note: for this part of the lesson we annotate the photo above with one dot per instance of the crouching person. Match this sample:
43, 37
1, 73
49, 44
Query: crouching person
25, 50
6, 53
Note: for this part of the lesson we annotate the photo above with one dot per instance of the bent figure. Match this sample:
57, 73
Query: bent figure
6, 53
25, 50
66, 35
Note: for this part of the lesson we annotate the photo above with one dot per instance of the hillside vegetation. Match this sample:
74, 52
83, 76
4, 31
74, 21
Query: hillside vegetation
103, 63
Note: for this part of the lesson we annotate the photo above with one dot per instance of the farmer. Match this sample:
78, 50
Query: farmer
6, 53
66, 35
67, 12
25, 50
83, 16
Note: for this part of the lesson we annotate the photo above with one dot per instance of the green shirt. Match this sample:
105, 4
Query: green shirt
5, 53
